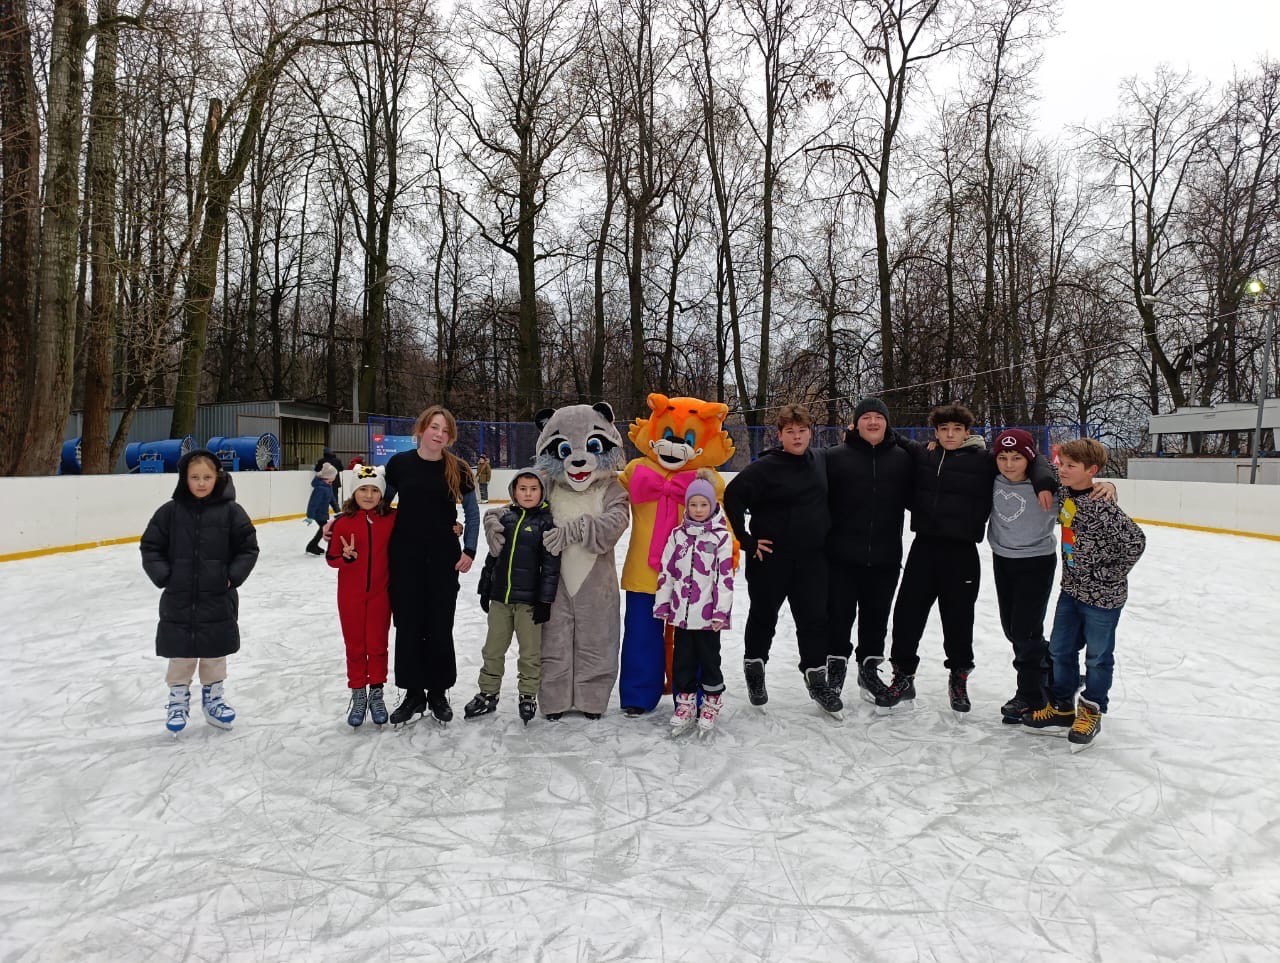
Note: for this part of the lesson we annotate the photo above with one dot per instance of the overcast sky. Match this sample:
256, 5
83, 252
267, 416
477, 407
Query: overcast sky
1102, 41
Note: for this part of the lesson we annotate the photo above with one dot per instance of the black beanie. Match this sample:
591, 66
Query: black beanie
868, 405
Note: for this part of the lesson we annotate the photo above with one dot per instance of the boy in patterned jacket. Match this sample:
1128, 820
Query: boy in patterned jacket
1100, 545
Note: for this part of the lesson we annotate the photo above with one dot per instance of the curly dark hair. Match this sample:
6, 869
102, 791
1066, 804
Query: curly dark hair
955, 412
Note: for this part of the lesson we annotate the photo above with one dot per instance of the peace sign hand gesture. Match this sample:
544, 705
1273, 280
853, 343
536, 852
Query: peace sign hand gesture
348, 548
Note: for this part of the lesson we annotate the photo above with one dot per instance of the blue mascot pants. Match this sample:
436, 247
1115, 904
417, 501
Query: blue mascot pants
644, 655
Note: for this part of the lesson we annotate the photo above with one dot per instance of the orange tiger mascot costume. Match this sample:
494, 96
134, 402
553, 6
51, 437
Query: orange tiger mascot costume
682, 440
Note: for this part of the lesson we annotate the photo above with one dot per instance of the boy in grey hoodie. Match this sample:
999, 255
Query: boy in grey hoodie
1024, 559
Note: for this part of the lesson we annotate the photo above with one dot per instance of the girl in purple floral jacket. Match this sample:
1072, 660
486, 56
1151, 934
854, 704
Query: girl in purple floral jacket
695, 595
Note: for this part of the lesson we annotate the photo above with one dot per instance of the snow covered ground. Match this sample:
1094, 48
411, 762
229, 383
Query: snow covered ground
784, 837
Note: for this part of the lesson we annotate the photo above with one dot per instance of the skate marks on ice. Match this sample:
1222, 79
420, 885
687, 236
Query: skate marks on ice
782, 837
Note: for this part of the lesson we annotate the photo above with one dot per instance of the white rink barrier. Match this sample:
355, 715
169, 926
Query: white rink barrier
1210, 506
62, 513
67, 512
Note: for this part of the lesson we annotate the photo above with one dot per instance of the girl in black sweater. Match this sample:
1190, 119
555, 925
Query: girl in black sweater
425, 561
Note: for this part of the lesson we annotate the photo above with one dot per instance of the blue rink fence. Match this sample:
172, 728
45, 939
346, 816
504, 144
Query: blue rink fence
510, 444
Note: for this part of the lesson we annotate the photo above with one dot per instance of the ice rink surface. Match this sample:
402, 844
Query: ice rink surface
783, 837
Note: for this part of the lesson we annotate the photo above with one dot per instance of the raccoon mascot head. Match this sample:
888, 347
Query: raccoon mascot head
578, 444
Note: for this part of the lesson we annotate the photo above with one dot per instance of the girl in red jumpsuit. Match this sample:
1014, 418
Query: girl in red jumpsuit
358, 550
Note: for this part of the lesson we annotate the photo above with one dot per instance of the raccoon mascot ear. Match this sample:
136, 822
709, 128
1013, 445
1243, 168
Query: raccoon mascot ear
604, 408
543, 416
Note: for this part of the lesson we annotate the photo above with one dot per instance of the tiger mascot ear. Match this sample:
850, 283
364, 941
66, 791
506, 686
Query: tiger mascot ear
716, 444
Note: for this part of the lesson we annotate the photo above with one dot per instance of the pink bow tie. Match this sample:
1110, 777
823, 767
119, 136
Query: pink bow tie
648, 485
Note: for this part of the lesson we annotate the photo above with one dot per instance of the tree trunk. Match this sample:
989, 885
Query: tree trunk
19, 224
99, 347
50, 400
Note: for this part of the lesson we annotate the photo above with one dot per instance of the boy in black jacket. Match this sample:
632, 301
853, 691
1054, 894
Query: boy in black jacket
949, 517
785, 492
517, 587
870, 481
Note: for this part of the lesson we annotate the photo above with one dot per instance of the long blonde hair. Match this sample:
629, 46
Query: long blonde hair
453, 466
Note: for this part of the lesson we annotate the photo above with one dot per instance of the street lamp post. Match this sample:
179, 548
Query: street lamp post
1256, 287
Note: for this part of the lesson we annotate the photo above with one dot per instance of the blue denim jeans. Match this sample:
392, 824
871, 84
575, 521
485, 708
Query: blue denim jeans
1078, 626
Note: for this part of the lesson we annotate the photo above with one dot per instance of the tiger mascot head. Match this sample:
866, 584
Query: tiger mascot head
683, 433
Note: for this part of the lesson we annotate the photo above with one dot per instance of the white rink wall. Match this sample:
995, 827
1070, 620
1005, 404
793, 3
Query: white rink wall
80, 511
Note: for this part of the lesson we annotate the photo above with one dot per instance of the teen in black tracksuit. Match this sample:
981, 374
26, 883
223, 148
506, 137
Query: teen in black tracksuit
869, 488
949, 516
786, 496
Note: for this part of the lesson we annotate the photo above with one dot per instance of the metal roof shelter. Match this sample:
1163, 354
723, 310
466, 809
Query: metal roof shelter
1237, 416
302, 427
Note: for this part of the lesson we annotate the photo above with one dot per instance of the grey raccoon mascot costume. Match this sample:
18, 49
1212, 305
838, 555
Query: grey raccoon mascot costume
580, 451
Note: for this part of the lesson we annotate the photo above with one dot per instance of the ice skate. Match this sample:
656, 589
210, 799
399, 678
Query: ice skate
1053, 719
712, 703
837, 669
901, 690
821, 693
593, 716
410, 709
528, 708
1011, 712
753, 669
483, 704
441, 711
958, 693
377, 707
1086, 727
358, 707
870, 686
216, 711
686, 713
179, 708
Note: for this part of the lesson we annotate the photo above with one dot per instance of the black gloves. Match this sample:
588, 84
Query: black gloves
541, 612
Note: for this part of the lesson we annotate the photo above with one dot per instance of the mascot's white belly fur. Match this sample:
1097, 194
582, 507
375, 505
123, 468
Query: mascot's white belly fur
576, 561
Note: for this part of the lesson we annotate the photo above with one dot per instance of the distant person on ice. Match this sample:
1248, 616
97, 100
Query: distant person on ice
358, 550
695, 595
426, 561
199, 547
318, 505
785, 493
517, 587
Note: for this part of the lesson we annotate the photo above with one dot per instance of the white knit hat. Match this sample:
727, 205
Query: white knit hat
368, 475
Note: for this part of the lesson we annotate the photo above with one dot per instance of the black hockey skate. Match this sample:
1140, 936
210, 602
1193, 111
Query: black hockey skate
902, 689
481, 705
1011, 712
958, 691
837, 669
528, 708
828, 700
753, 669
410, 709
440, 708
1087, 725
870, 686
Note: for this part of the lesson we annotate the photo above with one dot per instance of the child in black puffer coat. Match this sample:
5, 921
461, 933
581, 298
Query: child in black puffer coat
517, 587
199, 547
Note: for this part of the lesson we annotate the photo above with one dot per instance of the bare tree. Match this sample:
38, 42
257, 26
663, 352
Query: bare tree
518, 122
